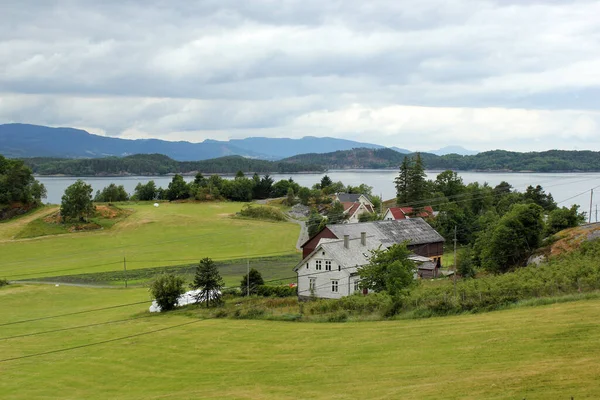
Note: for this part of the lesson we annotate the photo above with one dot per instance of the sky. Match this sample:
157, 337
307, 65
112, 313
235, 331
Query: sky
517, 75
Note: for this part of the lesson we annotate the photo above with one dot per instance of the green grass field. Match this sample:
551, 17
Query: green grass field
547, 352
172, 234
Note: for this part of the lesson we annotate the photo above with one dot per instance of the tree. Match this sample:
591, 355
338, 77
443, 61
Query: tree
401, 182
254, 279
449, 183
314, 223
539, 197
77, 202
417, 182
512, 239
147, 192
112, 193
166, 290
291, 197
336, 214
563, 218
178, 189
388, 270
209, 282
304, 195
17, 184
325, 182
466, 267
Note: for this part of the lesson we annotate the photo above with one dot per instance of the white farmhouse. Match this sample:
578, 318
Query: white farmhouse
333, 256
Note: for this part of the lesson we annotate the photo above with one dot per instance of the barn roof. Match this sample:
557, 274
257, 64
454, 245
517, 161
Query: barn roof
415, 231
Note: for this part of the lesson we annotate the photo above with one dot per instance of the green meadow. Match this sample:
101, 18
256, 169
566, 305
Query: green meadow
171, 234
545, 352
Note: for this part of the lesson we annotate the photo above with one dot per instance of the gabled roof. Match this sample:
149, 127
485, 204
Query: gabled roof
415, 231
355, 255
403, 212
350, 197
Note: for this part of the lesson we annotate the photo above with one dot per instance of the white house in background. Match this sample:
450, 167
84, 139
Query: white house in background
353, 198
354, 210
330, 265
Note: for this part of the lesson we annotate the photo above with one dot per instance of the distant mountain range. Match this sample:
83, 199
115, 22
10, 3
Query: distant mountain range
24, 141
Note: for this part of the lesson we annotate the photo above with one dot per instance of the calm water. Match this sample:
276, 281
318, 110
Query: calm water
566, 188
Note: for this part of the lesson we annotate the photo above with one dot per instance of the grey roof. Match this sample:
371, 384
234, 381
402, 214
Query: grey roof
356, 255
349, 197
415, 231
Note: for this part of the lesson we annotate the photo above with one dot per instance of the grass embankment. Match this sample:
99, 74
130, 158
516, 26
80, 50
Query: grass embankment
171, 234
534, 353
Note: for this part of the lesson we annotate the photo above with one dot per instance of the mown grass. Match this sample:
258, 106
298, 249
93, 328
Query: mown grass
171, 234
541, 352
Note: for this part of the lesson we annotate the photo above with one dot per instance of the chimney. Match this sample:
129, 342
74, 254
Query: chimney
347, 241
363, 238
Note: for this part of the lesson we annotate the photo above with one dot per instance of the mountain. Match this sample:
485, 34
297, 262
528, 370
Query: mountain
399, 150
284, 147
497, 160
453, 150
22, 140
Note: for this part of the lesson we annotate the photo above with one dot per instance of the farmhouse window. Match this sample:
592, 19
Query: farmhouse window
312, 284
328, 265
318, 265
334, 286
356, 285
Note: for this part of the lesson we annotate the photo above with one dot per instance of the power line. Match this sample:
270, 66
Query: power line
99, 343
72, 313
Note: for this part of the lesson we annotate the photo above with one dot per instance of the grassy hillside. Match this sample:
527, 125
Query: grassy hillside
533, 353
172, 234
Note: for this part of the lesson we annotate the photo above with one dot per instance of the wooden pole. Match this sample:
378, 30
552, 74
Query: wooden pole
591, 200
454, 276
125, 270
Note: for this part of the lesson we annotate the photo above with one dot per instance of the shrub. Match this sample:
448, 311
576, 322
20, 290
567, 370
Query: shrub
3, 282
276, 291
262, 212
166, 289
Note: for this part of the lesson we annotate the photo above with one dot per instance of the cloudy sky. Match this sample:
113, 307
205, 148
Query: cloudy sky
520, 75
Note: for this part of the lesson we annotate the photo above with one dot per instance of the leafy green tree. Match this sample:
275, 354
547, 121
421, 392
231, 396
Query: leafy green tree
254, 279
360, 189
291, 197
178, 189
563, 218
336, 214
146, 192
238, 189
449, 183
538, 196
112, 193
209, 282
466, 266
239, 174
366, 217
77, 202
17, 184
335, 187
314, 223
512, 239
304, 195
200, 180
166, 290
389, 270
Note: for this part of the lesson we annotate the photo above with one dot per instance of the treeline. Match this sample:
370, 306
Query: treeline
497, 160
19, 191
157, 164
499, 226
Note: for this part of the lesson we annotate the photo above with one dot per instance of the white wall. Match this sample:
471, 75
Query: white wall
323, 278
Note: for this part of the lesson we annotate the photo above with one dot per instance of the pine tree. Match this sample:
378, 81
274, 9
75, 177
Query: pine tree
209, 282
401, 182
417, 181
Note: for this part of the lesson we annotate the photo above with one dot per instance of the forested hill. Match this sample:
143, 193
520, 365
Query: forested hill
497, 160
157, 164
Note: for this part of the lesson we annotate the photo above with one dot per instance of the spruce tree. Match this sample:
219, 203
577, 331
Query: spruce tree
401, 182
209, 282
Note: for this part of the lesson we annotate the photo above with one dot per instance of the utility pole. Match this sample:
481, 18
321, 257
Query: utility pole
454, 276
248, 277
596, 212
125, 270
591, 199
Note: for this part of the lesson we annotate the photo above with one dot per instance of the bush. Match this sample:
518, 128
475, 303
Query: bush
3, 282
276, 291
166, 289
262, 212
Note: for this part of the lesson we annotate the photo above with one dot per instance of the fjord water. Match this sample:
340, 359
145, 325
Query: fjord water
566, 188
